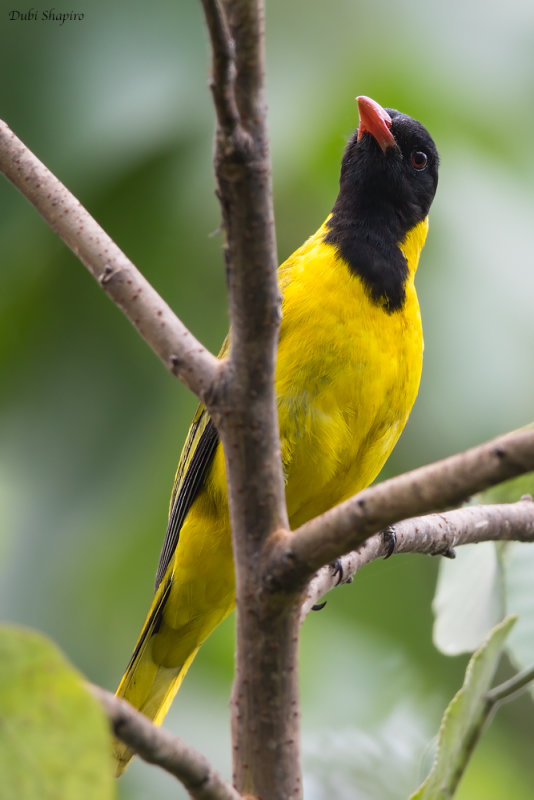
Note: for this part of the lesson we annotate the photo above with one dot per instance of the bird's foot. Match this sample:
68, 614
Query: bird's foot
337, 569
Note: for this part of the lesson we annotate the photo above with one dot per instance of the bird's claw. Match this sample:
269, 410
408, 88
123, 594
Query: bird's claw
446, 552
389, 536
337, 569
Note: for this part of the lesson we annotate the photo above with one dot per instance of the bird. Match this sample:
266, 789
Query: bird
348, 370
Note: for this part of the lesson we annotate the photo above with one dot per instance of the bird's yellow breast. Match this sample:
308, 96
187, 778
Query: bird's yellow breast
347, 375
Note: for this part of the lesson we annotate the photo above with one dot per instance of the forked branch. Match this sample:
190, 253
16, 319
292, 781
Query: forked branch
437, 486
433, 534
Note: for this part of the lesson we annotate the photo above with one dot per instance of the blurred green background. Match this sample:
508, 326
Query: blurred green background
91, 425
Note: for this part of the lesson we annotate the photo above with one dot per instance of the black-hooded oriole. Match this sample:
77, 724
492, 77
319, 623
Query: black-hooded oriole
348, 370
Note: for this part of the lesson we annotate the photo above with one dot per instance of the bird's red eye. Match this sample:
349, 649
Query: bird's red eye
419, 159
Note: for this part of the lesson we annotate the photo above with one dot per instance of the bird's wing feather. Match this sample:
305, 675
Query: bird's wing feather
195, 459
193, 466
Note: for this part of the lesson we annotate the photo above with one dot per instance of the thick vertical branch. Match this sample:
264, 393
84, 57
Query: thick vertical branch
265, 698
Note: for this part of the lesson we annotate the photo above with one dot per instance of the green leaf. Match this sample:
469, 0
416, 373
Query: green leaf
462, 719
56, 743
516, 560
463, 617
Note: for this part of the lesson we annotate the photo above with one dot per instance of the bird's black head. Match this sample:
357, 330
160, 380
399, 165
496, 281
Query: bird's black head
389, 175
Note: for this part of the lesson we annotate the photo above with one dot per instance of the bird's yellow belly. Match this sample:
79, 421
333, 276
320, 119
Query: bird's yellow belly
339, 426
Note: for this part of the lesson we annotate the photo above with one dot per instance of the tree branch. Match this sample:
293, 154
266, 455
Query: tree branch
249, 426
509, 689
246, 21
157, 746
434, 534
294, 559
180, 351
222, 83
265, 685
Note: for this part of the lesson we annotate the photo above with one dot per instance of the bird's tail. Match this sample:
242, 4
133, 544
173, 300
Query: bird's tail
147, 684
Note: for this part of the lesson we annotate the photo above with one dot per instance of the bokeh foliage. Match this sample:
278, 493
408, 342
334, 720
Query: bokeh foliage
56, 742
90, 424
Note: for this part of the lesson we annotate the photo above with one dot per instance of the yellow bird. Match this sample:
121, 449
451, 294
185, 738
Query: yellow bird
347, 375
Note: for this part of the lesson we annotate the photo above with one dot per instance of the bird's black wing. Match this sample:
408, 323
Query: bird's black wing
193, 466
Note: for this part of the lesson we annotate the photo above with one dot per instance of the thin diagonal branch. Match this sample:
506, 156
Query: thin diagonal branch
180, 351
433, 534
510, 689
157, 746
441, 485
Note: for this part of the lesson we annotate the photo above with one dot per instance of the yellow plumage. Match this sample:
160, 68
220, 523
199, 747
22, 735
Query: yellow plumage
343, 402
348, 371
345, 381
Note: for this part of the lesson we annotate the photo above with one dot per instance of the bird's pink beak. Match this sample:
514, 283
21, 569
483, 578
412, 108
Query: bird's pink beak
376, 121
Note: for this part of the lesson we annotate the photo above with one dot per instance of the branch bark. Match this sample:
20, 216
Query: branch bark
222, 83
294, 559
157, 746
183, 355
434, 534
